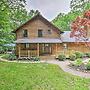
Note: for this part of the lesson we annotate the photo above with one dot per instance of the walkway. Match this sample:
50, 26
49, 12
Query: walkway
66, 68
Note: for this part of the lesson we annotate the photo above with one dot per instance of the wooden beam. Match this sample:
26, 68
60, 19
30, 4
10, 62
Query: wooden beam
56, 48
19, 52
29, 53
38, 49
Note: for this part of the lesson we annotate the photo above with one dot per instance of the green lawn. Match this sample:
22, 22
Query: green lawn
18, 76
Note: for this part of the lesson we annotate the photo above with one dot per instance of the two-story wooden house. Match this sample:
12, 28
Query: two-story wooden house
38, 37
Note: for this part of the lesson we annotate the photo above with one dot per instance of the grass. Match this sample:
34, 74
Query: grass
20, 76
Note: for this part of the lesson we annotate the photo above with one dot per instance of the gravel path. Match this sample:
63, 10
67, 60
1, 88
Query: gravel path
66, 68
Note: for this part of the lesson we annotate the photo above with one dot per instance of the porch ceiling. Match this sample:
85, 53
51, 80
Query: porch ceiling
38, 40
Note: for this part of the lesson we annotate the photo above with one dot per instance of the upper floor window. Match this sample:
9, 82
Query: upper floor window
40, 33
25, 33
49, 31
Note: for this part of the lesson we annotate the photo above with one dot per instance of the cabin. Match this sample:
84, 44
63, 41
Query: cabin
39, 37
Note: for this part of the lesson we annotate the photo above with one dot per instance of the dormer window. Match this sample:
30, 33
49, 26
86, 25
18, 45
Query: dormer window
25, 33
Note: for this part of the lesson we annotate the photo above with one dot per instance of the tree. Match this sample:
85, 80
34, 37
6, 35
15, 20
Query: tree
80, 28
12, 15
79, 5
63, 21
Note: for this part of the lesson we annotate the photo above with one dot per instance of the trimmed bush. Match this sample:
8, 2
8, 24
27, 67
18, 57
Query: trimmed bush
79, 54
72, 57
78, 62
61, 57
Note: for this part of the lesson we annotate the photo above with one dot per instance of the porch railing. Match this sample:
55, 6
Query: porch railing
27, 53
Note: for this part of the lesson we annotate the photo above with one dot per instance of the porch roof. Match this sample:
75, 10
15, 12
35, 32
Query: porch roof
39, 40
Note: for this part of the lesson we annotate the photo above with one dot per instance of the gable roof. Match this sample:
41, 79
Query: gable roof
38, 16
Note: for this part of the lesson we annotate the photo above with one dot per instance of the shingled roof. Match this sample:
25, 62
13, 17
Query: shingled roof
39, 16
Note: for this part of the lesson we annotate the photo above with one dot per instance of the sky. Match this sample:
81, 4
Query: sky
49, 8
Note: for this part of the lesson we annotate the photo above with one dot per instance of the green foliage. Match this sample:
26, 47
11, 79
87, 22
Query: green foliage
61, 57
12, 14
5, 56
72, 57
87, 55
63, 21
35, 59
79, 54
78, 62
79, 5
12, 57
9, 56
88, 65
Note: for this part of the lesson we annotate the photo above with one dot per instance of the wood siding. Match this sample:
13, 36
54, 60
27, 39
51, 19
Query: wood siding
33, 27
55, 50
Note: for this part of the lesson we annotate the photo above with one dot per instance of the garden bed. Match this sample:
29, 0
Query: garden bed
83, 66
80, 68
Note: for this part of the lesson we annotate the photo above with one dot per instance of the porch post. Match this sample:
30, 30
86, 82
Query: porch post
38, 49
19, 52
28, 53
56, 48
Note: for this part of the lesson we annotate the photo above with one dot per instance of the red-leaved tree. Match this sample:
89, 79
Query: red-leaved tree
80, 27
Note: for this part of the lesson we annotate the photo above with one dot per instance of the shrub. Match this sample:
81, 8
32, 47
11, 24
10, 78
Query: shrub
9, 56
88, 65
5, 56
87, 54
12, 57
61, 57
79, 54
78, 62
35, 59
72, 57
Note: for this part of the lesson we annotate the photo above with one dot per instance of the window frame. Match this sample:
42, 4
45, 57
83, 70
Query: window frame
49, 31
40, 33
25, 33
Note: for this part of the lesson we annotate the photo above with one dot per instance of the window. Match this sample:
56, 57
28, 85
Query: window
49, 31
40, 33
26, 45
25, 33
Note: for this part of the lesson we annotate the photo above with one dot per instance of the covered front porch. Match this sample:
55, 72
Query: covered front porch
29, 50
37, 47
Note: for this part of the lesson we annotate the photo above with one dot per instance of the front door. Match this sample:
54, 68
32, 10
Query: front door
47, 49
